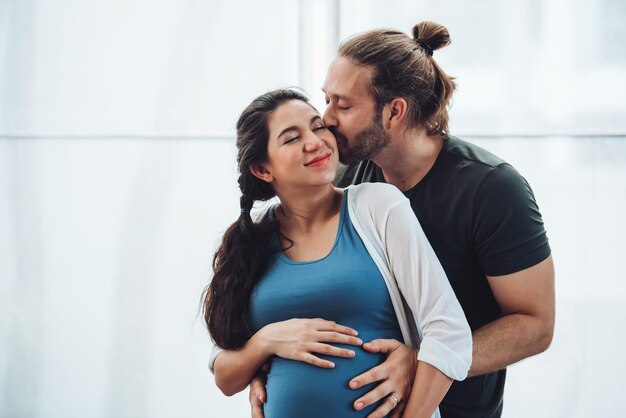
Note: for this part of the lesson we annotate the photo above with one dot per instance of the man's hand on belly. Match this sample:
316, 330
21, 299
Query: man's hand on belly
257, 395
396, 375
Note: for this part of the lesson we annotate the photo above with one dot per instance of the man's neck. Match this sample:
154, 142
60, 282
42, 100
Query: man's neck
409, 158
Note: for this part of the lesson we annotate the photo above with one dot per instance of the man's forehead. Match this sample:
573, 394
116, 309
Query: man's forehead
346, 79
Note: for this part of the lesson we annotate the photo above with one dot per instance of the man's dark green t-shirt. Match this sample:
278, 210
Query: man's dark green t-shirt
481, 219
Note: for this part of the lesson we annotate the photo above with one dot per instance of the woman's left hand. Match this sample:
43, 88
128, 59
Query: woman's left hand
396, 375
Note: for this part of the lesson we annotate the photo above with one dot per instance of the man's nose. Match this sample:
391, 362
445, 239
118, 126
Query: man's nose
329, 117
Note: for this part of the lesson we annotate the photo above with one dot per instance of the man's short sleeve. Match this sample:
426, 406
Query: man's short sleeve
508, 229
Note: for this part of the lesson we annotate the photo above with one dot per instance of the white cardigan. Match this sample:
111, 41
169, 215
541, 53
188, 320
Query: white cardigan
428, 312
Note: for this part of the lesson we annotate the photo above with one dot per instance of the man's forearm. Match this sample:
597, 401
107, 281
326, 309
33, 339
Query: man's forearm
508, 340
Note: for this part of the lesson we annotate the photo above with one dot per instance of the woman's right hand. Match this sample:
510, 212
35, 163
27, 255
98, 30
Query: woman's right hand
297, 339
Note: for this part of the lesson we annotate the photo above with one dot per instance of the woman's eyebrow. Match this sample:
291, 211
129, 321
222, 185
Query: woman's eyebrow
290, 128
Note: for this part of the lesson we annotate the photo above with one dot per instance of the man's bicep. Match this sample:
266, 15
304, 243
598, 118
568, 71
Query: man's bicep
529, 291
507, 231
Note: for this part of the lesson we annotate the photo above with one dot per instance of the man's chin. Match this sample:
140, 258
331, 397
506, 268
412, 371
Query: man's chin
345, 156
347, 161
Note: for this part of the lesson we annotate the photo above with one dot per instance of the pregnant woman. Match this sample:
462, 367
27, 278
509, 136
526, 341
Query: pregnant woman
356, 257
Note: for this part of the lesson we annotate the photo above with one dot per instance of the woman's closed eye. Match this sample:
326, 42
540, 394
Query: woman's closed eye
291, 139
318, 128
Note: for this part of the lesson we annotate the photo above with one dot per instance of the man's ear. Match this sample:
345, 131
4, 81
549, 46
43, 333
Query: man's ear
395, 113
260, 170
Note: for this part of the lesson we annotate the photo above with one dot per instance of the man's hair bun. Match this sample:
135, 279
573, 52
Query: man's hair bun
431, 36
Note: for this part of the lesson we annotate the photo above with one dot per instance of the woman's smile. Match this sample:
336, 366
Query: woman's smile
318, 161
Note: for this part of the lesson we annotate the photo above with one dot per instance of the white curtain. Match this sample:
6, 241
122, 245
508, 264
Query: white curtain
117, 176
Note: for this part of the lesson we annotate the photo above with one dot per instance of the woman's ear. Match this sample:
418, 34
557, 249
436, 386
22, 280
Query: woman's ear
260, 171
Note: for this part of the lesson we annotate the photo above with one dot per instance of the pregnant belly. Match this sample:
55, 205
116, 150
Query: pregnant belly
297, 389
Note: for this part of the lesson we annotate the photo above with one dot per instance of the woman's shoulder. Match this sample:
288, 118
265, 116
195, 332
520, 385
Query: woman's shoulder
374, 200
378, 194
262, 209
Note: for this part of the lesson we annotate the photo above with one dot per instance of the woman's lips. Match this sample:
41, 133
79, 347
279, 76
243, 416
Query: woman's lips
318, 161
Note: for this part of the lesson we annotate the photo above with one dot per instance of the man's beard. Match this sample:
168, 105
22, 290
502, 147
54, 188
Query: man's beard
367, 143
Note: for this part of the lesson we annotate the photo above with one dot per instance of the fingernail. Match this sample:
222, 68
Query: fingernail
359, 405
352, 353
332, 364
354, 385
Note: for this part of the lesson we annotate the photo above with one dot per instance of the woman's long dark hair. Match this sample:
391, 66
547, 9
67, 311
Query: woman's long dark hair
245, 251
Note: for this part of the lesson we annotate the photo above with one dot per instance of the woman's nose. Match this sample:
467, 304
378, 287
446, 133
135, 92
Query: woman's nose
312, 142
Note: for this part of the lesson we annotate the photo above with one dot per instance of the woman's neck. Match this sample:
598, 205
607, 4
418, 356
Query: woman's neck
302, 210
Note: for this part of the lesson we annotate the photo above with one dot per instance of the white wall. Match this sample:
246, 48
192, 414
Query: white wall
109, 246
115, 67
117, 176
580, 186
522, 67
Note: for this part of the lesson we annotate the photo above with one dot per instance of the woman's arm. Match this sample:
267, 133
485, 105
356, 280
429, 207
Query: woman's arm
446, 342
446, 338
233, 370
446, 345
294, 339
429, 388
395, 239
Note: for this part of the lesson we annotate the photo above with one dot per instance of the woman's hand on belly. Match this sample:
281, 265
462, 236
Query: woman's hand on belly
300, 339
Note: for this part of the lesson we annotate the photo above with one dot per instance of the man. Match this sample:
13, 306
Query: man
387, 106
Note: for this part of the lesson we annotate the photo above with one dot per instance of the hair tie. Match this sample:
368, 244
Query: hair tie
425, 46
245, 204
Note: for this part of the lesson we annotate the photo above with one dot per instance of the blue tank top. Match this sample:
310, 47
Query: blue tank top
346, 287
